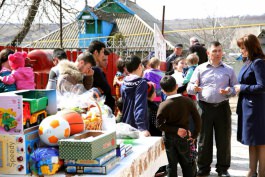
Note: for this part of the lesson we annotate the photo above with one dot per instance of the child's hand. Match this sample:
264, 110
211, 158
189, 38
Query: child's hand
182, 132
1, 78
145, 133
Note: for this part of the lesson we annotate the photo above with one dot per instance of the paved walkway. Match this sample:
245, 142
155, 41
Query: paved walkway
239, 158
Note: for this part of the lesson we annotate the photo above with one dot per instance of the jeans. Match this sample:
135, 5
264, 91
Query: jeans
178, 151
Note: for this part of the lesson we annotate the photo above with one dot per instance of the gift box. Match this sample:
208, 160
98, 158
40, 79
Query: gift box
88, 145
15, 151
25, 107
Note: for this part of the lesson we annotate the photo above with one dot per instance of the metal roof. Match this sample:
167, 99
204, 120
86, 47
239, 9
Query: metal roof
137, 29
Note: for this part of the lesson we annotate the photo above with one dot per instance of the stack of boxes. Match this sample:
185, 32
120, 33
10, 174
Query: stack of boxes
16, 143
92, 152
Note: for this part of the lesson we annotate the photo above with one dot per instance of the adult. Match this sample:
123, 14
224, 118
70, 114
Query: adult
214, 82
199, 49
5, 70
176, 53
134, 96
250, 110
58, 55
97, 48
71, 74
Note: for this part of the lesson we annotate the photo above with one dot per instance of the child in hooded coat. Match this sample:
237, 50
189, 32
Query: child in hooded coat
22, 76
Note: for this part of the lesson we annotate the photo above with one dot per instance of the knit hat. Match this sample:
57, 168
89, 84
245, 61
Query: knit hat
17, 59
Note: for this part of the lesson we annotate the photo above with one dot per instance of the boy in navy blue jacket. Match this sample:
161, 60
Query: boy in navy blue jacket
134, 96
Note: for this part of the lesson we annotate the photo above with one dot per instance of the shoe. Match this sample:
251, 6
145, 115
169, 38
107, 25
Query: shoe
224, 174
202, 174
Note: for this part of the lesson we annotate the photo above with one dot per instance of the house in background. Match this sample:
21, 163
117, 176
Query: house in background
121, 24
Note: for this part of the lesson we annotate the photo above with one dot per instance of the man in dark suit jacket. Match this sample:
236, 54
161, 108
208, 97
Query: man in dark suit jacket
199, 49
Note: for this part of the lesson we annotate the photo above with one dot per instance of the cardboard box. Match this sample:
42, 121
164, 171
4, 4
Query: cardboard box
96, 162
11, 108
88, 145
104, 169
15, 151
11, 114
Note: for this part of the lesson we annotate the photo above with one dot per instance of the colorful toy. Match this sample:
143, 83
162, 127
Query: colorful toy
74, 119
45, 161
34, 110
7, 119
52, 129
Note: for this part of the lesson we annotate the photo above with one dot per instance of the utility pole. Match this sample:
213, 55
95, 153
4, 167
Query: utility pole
61, 25
163, 20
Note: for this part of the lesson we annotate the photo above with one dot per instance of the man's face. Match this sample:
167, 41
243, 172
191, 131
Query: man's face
103, 63
99, 56
178, 51
83, 67
215, 53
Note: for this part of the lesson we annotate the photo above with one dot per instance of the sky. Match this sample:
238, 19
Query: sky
189, 9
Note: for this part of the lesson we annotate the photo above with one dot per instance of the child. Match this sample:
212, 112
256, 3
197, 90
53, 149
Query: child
192, 62
154, 75
134, 96
22, 76
178, 66
173, 119
152, 110
119, 76
119, 104
5, 70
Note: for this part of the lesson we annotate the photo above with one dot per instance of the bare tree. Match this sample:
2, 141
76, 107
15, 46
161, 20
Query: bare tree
28, 21
2, 3
12, 12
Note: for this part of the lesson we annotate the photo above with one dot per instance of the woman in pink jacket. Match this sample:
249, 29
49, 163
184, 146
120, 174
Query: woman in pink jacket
22, 76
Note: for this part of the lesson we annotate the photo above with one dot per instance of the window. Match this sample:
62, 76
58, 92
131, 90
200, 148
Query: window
90, 26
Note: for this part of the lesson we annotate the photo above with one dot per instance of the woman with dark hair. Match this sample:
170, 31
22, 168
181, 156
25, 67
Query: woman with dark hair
251, 101
5, 70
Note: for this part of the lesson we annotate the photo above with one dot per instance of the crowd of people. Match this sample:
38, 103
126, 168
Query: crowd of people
188, 105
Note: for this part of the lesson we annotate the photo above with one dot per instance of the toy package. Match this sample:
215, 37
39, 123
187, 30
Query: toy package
11, 121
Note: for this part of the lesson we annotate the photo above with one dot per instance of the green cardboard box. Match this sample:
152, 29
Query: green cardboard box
88, 145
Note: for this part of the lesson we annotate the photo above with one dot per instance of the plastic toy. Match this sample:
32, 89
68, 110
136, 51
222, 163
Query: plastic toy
52, 129
34, 110
7, 120
45, 161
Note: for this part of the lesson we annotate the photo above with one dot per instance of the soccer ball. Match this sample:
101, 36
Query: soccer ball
52, 129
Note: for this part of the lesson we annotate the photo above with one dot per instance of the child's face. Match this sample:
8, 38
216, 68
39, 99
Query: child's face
181, 64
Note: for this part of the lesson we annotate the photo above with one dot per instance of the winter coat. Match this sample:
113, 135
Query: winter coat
23, 77
134, 96
69, 77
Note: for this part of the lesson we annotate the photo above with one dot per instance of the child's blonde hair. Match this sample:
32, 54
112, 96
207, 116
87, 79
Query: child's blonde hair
192, 59
154, 62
